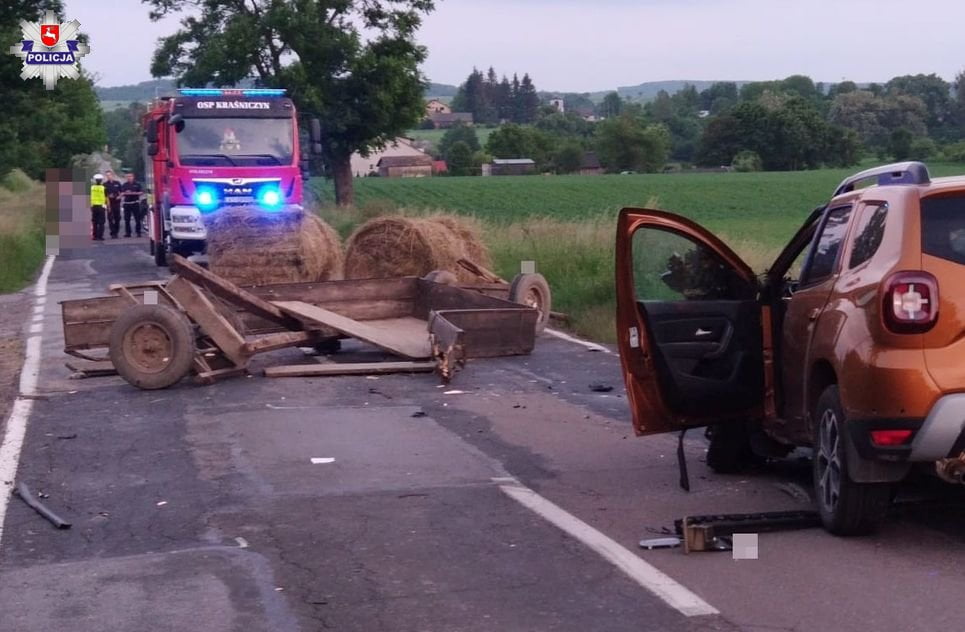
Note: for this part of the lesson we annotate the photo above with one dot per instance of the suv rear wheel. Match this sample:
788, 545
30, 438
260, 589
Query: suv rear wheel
846, 507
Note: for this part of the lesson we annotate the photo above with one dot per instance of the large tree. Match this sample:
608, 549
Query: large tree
353, 64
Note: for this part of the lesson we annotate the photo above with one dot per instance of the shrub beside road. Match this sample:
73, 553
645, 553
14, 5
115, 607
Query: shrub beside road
21, 230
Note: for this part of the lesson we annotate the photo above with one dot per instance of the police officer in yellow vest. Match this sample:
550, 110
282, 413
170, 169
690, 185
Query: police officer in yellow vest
98, 207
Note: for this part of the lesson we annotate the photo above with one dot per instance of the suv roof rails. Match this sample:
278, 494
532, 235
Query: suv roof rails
897, 173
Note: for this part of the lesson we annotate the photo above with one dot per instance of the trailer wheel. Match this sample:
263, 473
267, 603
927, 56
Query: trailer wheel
533, 291
442, 276
152, 346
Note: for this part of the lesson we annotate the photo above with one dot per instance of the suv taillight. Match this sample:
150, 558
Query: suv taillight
910, 302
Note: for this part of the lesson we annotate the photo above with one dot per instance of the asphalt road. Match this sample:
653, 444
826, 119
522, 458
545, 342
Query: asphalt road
200, 508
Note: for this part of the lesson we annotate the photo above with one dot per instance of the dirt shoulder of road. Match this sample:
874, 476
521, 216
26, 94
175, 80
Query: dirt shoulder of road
14, 309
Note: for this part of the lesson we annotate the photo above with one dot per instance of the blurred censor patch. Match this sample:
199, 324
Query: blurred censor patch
68, 221
745, 546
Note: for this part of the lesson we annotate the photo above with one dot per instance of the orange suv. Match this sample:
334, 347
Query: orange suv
852, 343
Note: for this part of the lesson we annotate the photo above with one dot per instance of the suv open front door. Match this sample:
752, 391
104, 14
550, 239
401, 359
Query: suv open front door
689, 324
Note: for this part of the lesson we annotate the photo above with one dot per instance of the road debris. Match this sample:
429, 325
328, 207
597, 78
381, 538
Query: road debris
420, 413
715, 532
660, 543
599, 387
24, 493
161, 503
322, 460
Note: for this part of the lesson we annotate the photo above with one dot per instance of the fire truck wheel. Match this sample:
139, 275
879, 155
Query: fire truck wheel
152, 346
533, 291
160, 254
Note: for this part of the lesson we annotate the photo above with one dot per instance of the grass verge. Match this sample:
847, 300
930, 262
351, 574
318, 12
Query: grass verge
21, 231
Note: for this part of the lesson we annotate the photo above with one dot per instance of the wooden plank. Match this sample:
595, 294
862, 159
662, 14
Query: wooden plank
113, 287
208, 378
368, 368
334, 292
284, 340
91, 369
481, 272
231, 292
401, 340
213, 324
435, 297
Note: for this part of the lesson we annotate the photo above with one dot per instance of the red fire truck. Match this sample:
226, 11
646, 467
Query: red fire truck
210, 148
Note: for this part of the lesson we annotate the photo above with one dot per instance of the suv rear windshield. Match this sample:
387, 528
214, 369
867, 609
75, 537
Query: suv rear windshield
943, 227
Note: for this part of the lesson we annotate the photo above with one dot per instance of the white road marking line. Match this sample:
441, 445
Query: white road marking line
663, 586
585, 343
322, 460
20, 413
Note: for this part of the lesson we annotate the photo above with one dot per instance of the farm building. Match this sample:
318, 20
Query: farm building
435, 106
512, 166
405, 166
591, 164
443, 120
366, 165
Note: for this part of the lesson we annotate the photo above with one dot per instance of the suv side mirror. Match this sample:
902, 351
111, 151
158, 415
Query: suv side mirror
151, 133
177, 122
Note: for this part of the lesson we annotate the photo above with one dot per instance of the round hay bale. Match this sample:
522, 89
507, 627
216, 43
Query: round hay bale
248, 246
470, 231
402, 246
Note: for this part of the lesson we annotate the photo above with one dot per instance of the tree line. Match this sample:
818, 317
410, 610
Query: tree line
491, 100
787, 124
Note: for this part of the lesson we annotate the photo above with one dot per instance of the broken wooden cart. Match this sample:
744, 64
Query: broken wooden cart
156, 333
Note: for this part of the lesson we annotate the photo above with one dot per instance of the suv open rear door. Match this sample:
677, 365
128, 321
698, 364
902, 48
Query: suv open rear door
689, 324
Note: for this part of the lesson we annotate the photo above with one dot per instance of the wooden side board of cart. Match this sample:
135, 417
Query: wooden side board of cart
157, 333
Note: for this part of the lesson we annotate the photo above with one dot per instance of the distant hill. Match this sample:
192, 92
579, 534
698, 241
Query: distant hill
648, 90
144, 91
441, 90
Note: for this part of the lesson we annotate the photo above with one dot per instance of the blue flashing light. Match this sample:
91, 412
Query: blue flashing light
206, 198
270, 198
229, 92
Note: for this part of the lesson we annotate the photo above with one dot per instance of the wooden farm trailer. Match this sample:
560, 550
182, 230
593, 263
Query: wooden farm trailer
157, 333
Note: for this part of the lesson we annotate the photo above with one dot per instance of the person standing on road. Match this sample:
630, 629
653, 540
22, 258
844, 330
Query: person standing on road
98, 207
131, 193
113, 188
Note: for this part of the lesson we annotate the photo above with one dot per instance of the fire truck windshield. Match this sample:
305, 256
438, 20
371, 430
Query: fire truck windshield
236, 141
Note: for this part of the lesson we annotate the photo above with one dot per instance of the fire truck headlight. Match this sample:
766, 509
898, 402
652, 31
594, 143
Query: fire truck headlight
270, 198
206, 199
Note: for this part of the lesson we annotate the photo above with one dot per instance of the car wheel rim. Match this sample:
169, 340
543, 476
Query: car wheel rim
829, 462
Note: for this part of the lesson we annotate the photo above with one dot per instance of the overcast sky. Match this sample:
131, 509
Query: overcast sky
589, 45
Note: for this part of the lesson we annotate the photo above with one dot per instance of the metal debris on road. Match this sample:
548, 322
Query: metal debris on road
598, 387
715, 532
24, 493
660, 543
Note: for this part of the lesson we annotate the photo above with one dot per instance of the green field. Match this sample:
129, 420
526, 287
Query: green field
567, 223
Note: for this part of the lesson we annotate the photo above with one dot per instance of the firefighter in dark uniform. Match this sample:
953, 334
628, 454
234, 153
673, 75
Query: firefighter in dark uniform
98, 208
131, 193
113, 188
